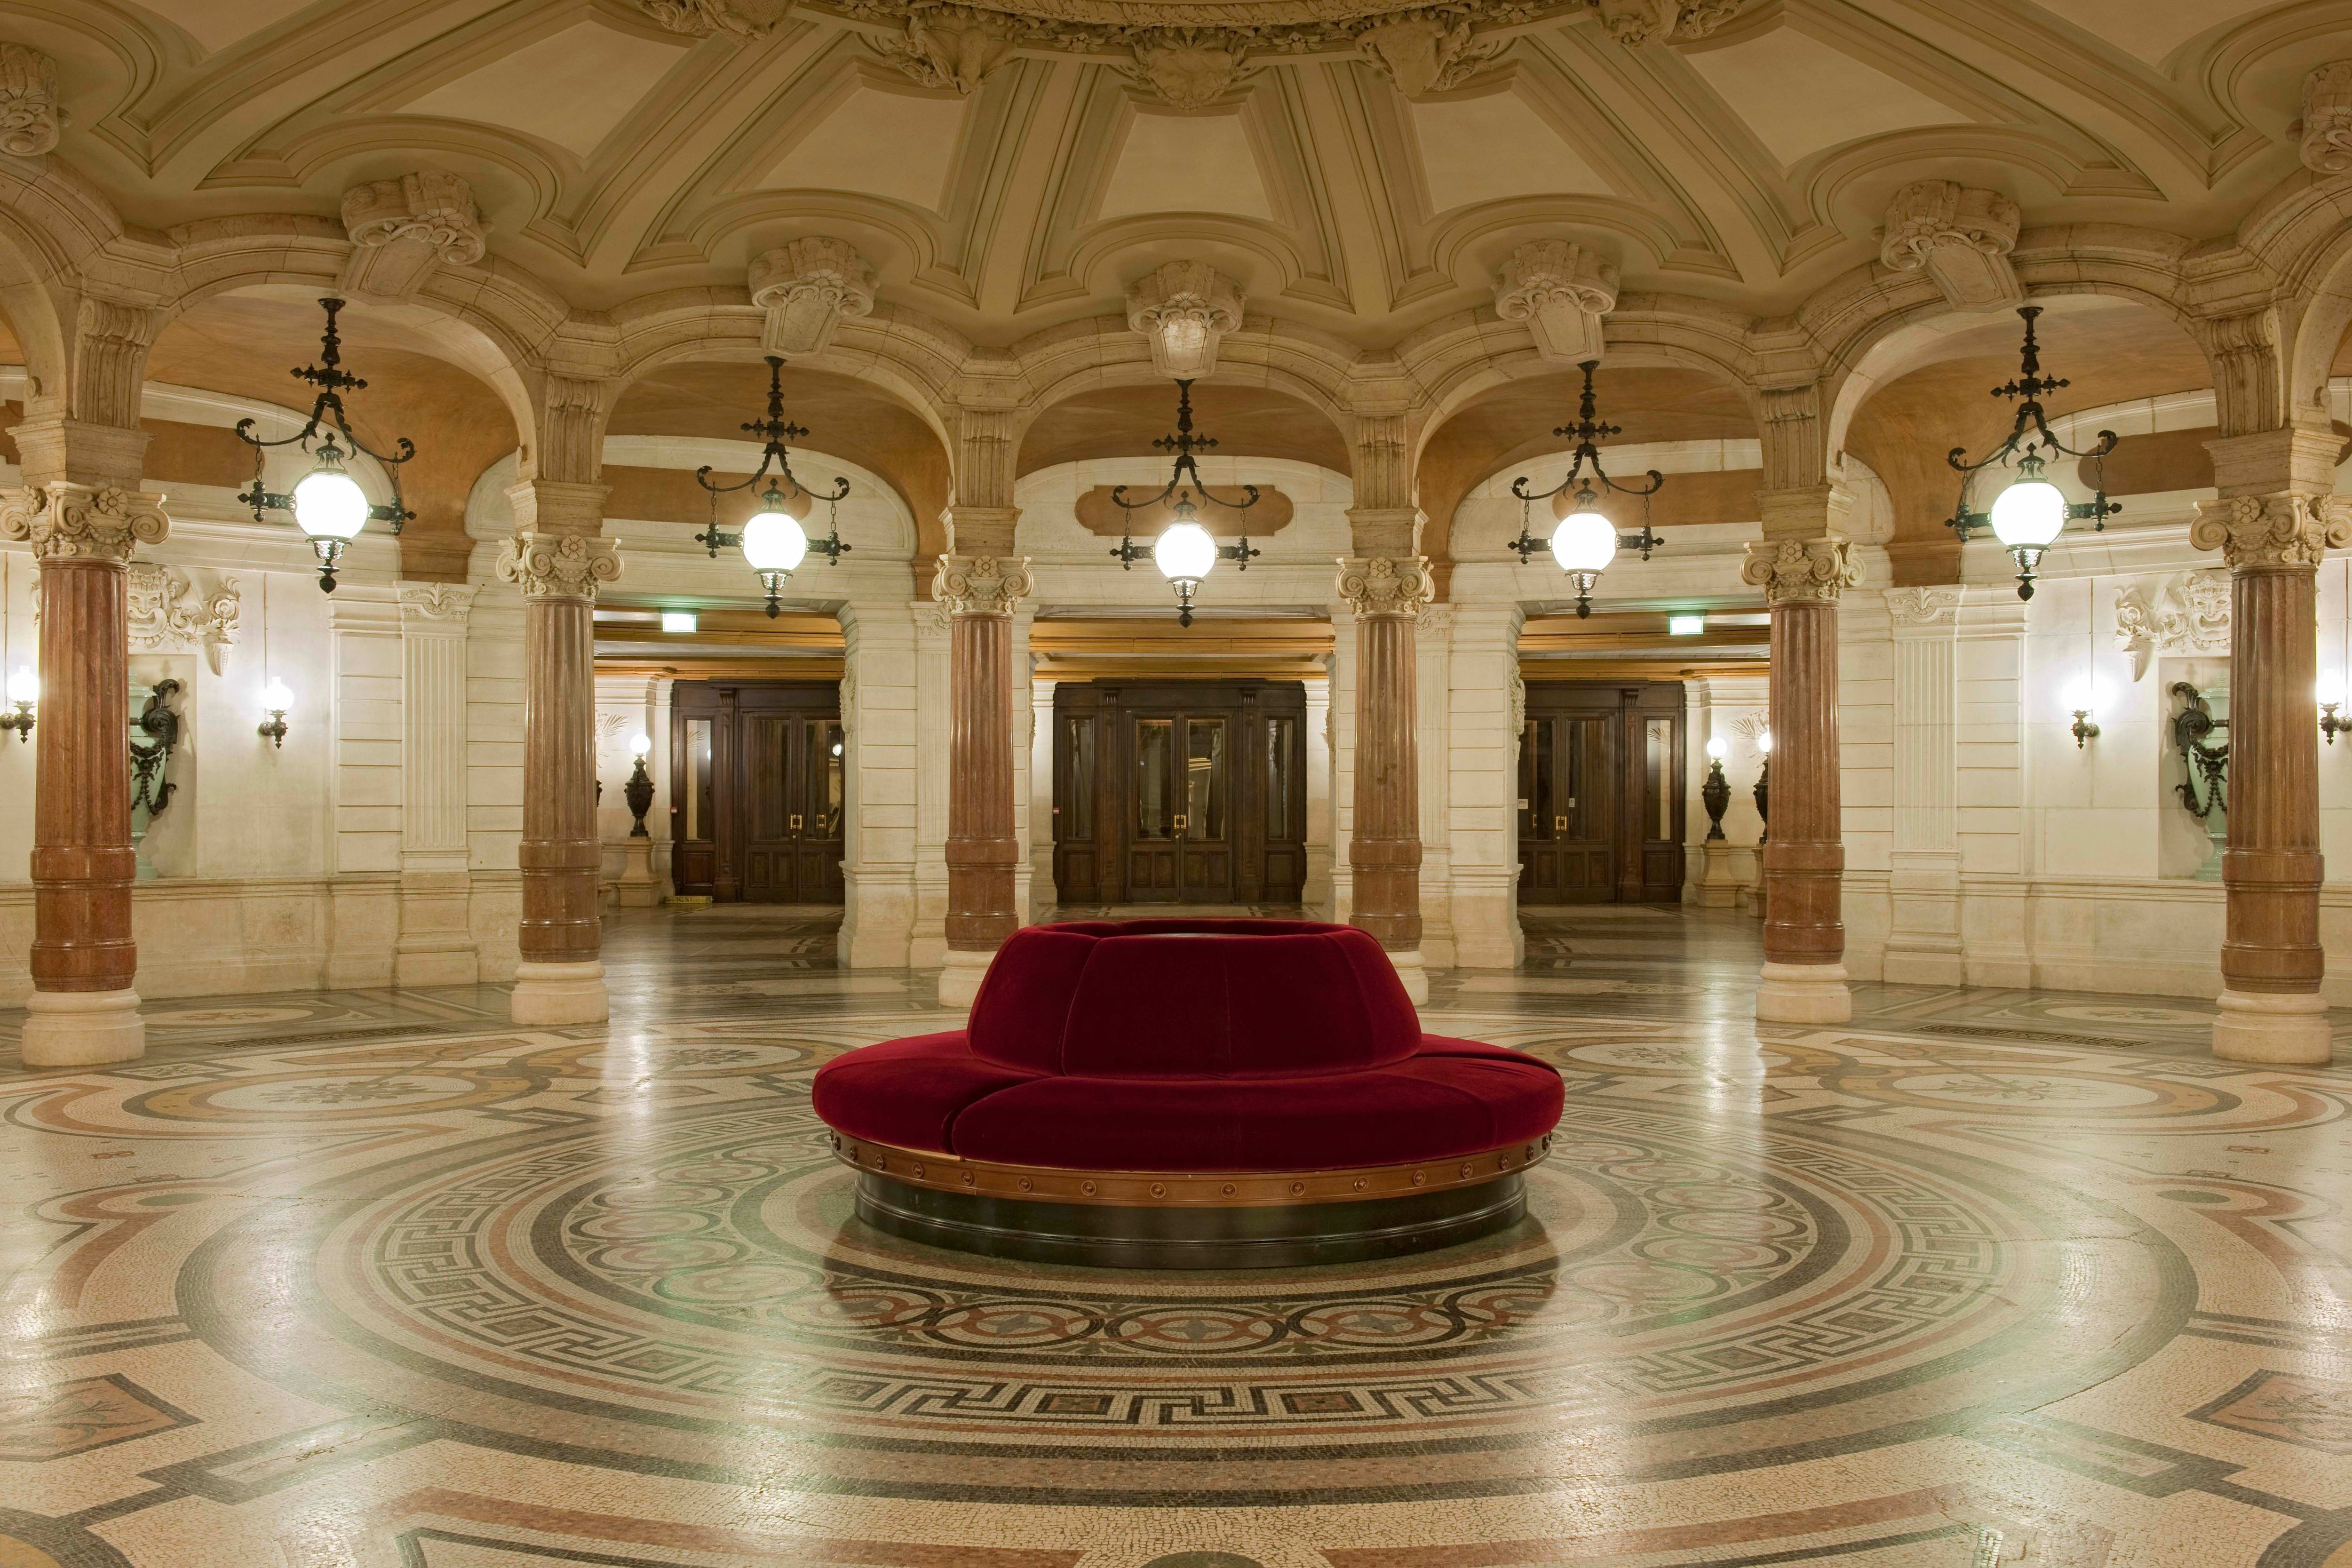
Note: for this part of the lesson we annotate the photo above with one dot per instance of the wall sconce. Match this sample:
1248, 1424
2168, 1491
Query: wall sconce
1715, 792
278, 700
2330, 694
639, 790
2082, 701
24, 694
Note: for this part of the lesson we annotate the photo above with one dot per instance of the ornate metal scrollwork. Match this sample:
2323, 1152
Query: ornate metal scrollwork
160, 724
2191, 728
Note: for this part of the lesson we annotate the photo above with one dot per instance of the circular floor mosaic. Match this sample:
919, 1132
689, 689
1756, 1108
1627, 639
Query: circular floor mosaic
689, 1291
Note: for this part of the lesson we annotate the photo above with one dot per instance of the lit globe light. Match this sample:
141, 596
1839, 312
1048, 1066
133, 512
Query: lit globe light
1584, 542
329, 503
1715, 748
1184, 553
2030, 513
773, 541
23, 687
640, 745
1764, 743
276, 697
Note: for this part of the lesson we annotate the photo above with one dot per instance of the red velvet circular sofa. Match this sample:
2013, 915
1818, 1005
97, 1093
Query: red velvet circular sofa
1189, 1093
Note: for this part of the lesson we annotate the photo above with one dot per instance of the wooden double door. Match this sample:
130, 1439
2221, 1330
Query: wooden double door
760, 791
1600, 803
1179, 793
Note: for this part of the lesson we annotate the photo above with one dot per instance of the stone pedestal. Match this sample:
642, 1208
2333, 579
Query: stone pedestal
560, 979
2273, 540
83, 1009
1721, 875
637, 887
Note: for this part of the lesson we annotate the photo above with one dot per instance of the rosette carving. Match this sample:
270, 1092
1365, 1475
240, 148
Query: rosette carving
980, 585
1380, 585
1800, 571
66, 522
567, 565
2280, 530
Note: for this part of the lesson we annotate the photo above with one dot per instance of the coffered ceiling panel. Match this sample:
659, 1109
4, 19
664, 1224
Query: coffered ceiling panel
1799, 94
571, 88
883, 142
1482, 146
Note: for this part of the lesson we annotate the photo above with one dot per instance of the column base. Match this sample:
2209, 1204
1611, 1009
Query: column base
2262, 1026
82, 1029
961, 976
1415, 974
1803, 993
546, 994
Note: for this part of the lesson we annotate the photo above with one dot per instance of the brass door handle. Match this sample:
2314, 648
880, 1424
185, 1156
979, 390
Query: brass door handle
1179, 821
796, 822
1560, 825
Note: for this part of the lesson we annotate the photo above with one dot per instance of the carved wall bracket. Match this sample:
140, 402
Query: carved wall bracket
1423, 54
2328, 119
1561, 290
2184, 615
403, 229
808, 289
1185, 309
1961, 237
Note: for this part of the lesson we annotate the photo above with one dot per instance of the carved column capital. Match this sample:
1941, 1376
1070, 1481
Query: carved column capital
1931, 606
2327, 119
808, 289
982, 584
1380, 585
446, 603
31, 118
1961, 237
1561, 290
2280, 531
564, 565
66, 522
1185, 309
1800, 571
402, 229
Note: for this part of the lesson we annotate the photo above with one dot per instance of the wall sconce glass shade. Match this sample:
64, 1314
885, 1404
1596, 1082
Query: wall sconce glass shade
276, 700
2329, 693
24, 695
2029, 512
1764, 743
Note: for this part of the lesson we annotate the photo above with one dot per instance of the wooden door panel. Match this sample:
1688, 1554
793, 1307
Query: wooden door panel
770, 824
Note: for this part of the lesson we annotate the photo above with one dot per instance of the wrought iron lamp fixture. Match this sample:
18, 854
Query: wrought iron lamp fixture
24, 696
2029, 512
1715, 792
328, 504
276, 702
773, 541
1185, 551
1585, 541
639, 790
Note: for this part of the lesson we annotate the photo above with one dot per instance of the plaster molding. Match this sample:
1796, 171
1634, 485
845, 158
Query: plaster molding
567, 565
1924, 607
1636, 22
1961, 237
1189, 68
31, 118
1802, 571
808, 289
167, 613
443, 602
980, 585
1561, 290
66, 522
1423, 54
950, 46
1382, 585
402, 231
2280, 531
2328, 119
2186, 613
1184, 309
701, 18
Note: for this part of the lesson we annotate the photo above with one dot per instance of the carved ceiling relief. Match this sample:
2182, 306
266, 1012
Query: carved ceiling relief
2186, 614
1561, 291
1961, 237
168, 613
808, 289
403, 229
2328, 119
1185, 309
31, 118
736, 18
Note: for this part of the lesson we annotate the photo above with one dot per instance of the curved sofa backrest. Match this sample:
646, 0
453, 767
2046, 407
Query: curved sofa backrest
1206, 998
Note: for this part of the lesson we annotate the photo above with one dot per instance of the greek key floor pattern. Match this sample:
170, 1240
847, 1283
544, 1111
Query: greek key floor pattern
377, 1280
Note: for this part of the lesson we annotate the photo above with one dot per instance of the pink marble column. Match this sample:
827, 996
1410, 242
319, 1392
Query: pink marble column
980, 593
1386, 595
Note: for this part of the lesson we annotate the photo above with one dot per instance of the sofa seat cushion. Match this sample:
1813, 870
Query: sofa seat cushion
1451, 1097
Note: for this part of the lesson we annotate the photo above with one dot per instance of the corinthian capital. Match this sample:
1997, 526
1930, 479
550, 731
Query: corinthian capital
1380, 585
402, 229
2282, 530
31, 118
1800, 571
2327, 119
559, 565
1186, 307
66, 522
1961, 237
980, 585
1561, 291
808, 289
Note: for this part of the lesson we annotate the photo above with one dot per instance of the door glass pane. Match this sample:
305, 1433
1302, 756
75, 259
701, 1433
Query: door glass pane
1077, 814
698, 784
1657, 763
1280, 736
1155, 765
830, 749
1537, 764
1205, 779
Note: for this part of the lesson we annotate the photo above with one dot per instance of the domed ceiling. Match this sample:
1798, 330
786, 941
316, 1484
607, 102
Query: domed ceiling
1362, 166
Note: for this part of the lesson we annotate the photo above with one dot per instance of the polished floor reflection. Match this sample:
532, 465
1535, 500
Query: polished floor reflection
376, 1278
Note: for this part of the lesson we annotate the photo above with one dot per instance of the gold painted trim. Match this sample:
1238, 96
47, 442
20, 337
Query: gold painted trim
1184, 1189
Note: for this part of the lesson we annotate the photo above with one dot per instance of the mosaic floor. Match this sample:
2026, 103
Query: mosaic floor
374, 1279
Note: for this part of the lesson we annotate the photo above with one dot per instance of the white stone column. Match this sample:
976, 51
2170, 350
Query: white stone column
368, 783
1923, 942
1480, 755
879, 707
1988, 801
435, 946
1434, 683
494, 714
